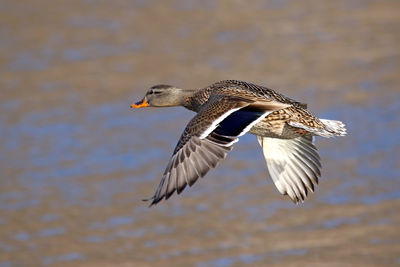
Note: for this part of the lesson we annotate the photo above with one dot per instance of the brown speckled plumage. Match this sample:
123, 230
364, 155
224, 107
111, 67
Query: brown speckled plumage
275, 124
229, 109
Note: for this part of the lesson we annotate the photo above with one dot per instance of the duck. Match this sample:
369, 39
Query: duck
225, 111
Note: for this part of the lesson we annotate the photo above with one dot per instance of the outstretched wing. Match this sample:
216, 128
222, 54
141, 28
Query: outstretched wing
208, 138
294, 165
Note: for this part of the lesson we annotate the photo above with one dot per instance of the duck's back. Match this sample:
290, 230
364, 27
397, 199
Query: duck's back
277, 124
241, 87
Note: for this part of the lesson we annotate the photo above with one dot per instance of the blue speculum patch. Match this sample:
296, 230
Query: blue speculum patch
236, 122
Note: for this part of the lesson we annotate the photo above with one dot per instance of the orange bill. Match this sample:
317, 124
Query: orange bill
140, 104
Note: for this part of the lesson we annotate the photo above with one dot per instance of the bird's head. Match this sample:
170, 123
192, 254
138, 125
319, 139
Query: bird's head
161, 95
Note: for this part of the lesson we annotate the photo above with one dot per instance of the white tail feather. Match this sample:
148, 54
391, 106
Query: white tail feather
334, 127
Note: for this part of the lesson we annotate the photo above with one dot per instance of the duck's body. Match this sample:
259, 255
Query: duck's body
277, 124
229, 109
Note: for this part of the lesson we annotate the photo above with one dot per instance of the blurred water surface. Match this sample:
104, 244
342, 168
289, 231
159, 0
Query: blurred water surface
75, 161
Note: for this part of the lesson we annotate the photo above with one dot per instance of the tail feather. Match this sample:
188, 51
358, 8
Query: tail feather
333, 127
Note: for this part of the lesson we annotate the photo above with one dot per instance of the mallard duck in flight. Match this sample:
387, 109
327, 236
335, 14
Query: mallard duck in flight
227, 110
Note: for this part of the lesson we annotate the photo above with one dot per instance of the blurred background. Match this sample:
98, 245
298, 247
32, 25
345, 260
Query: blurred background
76, 161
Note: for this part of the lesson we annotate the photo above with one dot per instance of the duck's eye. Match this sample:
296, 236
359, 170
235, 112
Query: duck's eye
157, 92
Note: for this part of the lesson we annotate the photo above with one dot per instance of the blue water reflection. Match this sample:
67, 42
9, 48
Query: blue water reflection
339, 221
241, 259
52, 232
73, 256
112, 222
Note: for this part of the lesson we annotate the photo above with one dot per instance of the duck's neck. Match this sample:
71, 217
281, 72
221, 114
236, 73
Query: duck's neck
190, 99
178, 97
198, 98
